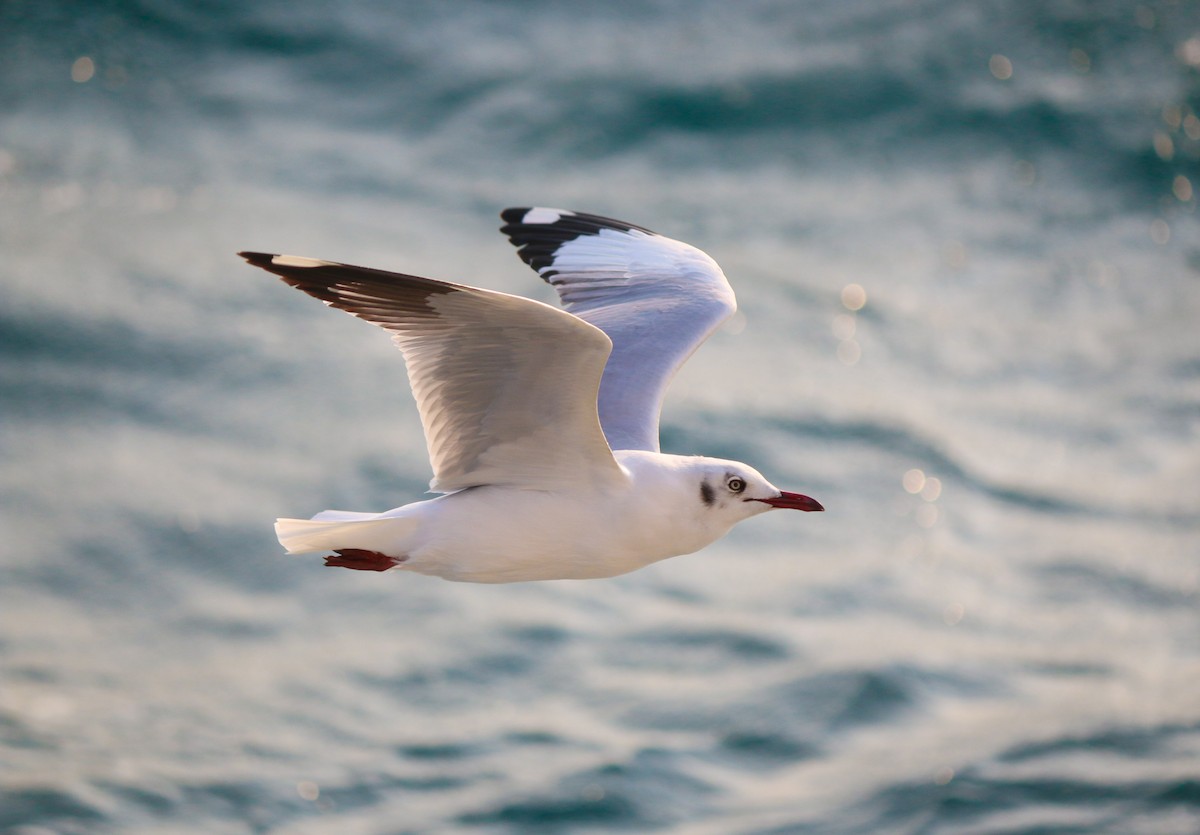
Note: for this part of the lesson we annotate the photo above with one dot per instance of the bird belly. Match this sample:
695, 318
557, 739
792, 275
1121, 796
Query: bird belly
496, 535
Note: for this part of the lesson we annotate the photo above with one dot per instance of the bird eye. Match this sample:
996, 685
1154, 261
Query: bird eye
736, 485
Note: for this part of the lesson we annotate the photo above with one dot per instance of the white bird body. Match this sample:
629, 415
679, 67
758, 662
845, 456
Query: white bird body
520, 402
492, 534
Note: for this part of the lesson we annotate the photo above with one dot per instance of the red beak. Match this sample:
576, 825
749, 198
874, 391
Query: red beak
792, 501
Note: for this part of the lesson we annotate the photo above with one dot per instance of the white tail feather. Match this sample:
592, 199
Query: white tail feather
343, 516
371, 533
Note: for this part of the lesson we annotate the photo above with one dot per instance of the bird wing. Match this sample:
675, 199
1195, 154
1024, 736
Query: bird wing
506, 386
657, 299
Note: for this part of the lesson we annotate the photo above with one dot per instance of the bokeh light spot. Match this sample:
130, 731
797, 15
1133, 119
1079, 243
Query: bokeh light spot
1189, 52
1182, 188
83, 69
308, 790
854, 297
914, 481
932, 489
1000, 67
1163, 146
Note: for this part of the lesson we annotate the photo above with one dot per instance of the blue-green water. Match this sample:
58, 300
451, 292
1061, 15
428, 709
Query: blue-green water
1009, 645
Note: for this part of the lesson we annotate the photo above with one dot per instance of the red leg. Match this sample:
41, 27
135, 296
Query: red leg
361, 560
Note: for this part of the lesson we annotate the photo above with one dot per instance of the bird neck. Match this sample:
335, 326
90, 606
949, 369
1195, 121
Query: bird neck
664, 498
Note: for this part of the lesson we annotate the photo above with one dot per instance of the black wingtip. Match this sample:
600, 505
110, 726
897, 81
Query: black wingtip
514, 214
258, 259
565, 221
538, 232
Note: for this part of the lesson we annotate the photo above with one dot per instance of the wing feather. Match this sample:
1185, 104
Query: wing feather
506, 387
658, 299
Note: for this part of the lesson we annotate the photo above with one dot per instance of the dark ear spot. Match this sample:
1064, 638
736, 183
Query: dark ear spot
707, 494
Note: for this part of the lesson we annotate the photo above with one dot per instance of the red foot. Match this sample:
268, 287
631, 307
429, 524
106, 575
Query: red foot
361, 560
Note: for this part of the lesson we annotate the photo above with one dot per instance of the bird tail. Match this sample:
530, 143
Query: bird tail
333, 530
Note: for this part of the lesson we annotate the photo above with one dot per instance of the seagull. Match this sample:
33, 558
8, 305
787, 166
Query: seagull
541, 422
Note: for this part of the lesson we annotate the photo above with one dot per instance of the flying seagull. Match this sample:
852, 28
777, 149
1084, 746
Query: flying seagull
541, 423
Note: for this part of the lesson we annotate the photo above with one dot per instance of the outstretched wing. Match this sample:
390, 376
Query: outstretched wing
506, 386
656, 298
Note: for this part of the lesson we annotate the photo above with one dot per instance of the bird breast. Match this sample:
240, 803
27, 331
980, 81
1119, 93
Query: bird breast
497, 534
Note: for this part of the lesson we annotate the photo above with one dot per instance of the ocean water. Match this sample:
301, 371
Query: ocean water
964, 240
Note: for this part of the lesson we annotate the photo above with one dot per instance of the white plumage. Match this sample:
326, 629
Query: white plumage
542, 425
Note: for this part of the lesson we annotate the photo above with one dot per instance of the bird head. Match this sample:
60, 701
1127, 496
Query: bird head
731, 488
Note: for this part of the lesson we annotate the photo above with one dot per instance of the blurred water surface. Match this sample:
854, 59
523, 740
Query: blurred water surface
964, 241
